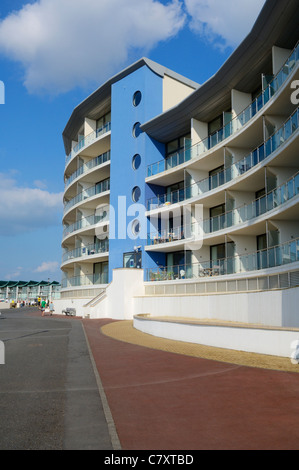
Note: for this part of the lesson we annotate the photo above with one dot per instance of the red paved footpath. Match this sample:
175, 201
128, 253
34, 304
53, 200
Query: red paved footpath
161, 400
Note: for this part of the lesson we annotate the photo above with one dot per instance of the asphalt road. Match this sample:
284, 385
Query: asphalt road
49, 396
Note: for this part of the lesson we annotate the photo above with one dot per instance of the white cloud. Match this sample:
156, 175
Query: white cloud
41, 184
15, 275
226, 23
24, 209
47, 266
67, 43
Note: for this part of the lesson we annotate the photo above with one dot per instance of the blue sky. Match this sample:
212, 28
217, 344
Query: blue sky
53, 53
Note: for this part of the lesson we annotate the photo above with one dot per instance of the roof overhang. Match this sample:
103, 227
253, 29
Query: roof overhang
99, 101
276, 25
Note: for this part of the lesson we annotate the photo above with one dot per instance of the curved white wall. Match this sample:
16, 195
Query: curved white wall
272, 342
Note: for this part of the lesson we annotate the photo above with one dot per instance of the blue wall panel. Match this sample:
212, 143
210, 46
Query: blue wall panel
123, 178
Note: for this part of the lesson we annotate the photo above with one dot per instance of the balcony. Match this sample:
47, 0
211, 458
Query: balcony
101, 247
95, 162
99, 188
85, 281
246, 213
276, 256
234, 125
88, 140
182, 233
272, 200
232, 172
88, 222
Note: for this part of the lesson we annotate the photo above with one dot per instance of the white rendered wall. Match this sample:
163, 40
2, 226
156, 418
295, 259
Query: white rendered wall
277, 308
240, 101
174, 92
279, 57
256, 340
120, 293
4, 305
118, 303
78, 304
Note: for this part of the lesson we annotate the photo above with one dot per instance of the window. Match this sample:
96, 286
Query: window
222, 258
179, 265
176, 151
260, 193
137, 98
177, 144
100, 273
262, 255
132, 260
136, 227
217, 218
217, 210
215, 125
178, 258
136, 130
136, 161
178, 222
261, 242
218, 252
260, 202
136, 194
216, 177
175, 192
103, 121
102, 186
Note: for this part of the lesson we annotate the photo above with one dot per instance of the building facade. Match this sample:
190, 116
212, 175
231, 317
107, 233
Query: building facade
29, 291
194, 190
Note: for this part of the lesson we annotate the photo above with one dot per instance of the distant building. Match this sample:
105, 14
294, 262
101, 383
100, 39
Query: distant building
183, 199
29, 291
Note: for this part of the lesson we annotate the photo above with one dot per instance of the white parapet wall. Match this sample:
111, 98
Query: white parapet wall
4, 306
126, 284
269, 341
277, 308
77, 304
117, 302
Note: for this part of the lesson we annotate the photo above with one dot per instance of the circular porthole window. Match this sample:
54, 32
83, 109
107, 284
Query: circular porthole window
136, 194
136, 227
136, 162
136, 129
137, 98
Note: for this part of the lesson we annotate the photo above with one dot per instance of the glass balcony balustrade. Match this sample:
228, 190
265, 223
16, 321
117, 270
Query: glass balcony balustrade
102, 215
173, 235
102, 246
88, 140
99, 188
105, 157
234, 125
272, 257
272, 200
87, 280
235, 170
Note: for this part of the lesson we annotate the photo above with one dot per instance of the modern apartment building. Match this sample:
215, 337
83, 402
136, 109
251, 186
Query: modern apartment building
29, 290
183, 199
